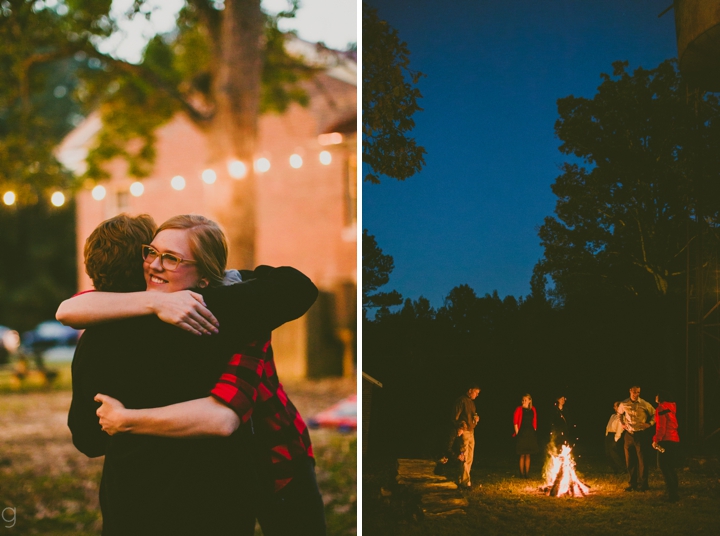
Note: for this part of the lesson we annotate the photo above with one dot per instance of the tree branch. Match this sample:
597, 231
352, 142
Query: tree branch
195, 115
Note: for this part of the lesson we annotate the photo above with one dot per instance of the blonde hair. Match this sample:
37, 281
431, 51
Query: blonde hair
207, 244
527, 395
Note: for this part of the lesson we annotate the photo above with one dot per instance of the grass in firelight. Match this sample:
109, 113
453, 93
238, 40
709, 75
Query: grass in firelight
508, 505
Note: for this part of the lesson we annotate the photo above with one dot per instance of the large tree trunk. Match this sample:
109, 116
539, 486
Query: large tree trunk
234, 129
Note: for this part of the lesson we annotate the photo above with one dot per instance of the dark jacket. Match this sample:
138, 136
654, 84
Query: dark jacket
464, 410
559, 428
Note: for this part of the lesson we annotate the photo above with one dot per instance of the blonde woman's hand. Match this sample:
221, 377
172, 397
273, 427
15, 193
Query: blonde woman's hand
185, 309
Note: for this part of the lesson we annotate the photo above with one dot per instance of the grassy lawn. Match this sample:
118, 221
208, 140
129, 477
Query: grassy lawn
507, 504
54, 488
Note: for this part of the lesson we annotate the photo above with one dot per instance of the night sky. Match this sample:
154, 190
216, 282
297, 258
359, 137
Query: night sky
495, 70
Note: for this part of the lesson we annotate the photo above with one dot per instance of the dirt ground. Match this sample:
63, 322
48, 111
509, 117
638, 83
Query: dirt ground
42, 473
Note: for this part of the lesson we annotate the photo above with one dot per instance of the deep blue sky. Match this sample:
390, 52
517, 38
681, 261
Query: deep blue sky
495, 69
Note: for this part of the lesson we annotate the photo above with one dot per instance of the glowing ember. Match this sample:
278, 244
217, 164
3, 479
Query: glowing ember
560, 476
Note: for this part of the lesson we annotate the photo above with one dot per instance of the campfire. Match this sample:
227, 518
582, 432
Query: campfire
560, 476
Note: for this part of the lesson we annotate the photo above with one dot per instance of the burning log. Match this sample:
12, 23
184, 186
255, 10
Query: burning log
560, 476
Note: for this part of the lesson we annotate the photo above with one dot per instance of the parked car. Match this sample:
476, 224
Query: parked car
9, 343
48, 335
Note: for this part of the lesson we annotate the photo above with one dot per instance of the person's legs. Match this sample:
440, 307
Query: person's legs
296, 509
668, 461
524, 465
631, 460
468, 448
640, 447
470, 455
611, 451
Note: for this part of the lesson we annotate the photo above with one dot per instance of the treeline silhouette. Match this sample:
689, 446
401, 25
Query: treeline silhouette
590, 351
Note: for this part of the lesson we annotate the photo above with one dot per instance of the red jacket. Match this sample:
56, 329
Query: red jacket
517, 417
666, 423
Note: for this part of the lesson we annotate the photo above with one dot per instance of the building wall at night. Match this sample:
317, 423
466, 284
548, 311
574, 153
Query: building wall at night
305, 216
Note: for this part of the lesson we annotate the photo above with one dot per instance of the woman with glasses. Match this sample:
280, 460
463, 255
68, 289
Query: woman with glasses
190, 252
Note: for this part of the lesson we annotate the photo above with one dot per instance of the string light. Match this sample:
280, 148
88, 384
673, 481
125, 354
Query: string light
178, 182
296, 161
9, 198
58, 199
137, 188
237, 169
209, 176
98, 193
332, 138
262, 165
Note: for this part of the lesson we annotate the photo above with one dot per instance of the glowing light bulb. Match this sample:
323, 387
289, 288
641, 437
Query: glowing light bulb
209, 176
9, 198
237, 169
332, 138
178, 182
98, 193
262, 165
296, 161
325, 158
137, 189
58, 199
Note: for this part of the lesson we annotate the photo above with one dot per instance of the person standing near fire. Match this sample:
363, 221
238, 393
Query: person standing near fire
559, 427
525, 423
666, 441
465, 411
637, 416
613, 434
453, 456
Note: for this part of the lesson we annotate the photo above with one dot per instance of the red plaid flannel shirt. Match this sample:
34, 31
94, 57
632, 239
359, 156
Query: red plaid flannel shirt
250, 386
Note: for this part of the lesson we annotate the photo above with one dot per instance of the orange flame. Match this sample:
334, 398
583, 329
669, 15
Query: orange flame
560, 476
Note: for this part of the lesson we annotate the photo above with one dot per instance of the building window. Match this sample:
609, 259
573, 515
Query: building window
122, 200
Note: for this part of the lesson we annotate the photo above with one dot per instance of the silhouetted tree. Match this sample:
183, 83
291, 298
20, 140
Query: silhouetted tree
376, 269
389, 100
650, 167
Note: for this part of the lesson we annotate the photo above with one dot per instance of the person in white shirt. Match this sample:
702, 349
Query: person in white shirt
636, 416
613, 434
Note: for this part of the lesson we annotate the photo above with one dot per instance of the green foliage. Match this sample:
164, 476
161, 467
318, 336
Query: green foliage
389, 100
376, 269
37, 267
176, 74
33, 116
650, 161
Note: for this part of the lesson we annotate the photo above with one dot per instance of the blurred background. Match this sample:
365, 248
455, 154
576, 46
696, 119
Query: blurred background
163, 108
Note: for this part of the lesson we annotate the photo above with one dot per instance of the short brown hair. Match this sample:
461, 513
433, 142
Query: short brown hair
113, 257
207, 244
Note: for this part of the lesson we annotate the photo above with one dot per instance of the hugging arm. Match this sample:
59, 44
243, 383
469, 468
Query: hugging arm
232, 403
194, 418
266, 299
185, 309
